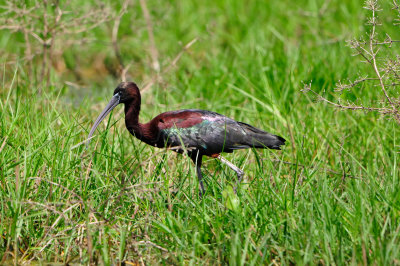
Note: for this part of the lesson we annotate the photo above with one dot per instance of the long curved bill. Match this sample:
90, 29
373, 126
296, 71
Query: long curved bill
111, 105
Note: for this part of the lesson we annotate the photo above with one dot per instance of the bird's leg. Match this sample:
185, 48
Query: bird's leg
197, 159
238, 171
200, 176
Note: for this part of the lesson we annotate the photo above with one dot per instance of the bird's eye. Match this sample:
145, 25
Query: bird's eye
120, 93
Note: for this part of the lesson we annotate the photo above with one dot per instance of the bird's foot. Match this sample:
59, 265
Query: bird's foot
202, 190
240, 174
238, 171
201, 193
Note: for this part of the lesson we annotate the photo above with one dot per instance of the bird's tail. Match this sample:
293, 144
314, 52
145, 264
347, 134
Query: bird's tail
258, 138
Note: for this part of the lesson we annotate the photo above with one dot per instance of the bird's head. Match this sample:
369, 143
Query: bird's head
126, 93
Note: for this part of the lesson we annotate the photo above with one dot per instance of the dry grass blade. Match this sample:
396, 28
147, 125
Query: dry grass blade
152, 244
3, 144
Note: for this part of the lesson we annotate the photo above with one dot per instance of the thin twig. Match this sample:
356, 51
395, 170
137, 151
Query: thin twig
373, 61
114, 36
153, 48
152, 244
43, 26
340, 86
339, 105
44, 44
171, 65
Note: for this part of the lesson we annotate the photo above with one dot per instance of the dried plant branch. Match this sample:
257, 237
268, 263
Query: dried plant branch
151, 244
307, 88
341, 86
46, 23
153, 48
114, 36
386, 76
373, 6
171, 64
124, 72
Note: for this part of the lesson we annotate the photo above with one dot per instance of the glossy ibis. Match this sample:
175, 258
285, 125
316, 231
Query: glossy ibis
194, 132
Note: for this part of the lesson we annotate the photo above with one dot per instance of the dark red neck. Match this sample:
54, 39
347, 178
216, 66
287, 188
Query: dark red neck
140, 131
132, 111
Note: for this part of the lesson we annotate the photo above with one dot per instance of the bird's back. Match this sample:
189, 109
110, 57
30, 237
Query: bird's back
209, 132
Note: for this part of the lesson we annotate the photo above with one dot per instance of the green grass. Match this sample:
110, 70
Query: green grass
335, 202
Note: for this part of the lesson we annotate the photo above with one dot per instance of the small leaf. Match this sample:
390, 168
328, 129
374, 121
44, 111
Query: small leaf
231, 199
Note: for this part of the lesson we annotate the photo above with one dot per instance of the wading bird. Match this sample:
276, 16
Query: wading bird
191, 131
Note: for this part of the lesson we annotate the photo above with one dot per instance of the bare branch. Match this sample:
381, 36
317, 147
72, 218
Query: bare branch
307, 88
386, 76
171, 65
45, 24
114, 38
153, 48
340, 86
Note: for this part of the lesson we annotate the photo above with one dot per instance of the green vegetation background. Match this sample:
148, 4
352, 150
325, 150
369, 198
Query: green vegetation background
331, 196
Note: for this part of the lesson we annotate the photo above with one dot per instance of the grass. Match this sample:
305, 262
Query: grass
330, 197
